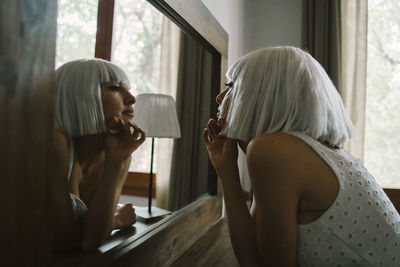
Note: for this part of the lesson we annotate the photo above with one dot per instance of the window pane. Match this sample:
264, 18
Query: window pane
76, 30
382, 138
136, 49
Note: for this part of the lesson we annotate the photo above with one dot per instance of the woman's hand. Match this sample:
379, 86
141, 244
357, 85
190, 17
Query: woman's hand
124, 216
123, 137
223, 151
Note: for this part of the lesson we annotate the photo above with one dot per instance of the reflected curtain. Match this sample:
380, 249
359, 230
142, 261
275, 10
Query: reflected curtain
189, 168
169, 62
334, 32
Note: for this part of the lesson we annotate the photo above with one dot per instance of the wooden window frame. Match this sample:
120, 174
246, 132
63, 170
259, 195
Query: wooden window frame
105, 29
137, 184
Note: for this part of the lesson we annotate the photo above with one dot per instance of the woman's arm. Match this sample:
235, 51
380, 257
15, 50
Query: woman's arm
99, 219
223, 154
277, 189
66, 231
242, 226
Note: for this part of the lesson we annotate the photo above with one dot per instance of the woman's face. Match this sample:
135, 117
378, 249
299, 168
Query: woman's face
117, 101
224, 100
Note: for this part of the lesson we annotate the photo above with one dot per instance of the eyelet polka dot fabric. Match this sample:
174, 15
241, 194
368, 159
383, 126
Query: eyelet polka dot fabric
361, 227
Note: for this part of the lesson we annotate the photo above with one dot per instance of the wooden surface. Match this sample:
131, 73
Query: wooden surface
213, 249
159, 244
27, 50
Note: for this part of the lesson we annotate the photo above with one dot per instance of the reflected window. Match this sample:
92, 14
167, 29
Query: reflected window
136, 49
76, 30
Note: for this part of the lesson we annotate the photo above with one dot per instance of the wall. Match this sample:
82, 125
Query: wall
253, 24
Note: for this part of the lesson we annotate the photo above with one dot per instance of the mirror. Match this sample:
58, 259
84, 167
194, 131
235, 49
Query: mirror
27, 102
158, 57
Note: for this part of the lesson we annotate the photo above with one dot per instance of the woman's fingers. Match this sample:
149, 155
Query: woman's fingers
119, 126
214, 129
221, 124
212, 132
206, 137
137, 132
112, 126
142, 137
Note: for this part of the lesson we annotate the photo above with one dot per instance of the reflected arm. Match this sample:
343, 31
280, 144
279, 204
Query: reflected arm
98, 222
66, 231
99, 218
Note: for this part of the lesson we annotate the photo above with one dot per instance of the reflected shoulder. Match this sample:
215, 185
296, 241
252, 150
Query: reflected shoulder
60, 145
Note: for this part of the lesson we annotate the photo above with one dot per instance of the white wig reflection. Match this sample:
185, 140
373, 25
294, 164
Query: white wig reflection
284, 89
78, 106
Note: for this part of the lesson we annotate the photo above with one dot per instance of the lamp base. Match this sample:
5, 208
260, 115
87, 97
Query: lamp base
143, 215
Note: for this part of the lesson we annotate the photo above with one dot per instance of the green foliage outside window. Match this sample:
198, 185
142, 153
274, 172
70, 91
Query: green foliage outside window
382, 138
137, 44
76, 30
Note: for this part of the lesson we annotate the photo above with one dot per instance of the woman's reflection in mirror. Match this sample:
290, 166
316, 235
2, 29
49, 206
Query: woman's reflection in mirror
94, 138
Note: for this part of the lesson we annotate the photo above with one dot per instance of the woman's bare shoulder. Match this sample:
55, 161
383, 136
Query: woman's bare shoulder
60, 138
276, 145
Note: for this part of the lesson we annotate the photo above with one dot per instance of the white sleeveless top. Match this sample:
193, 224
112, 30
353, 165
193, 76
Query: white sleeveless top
361, 228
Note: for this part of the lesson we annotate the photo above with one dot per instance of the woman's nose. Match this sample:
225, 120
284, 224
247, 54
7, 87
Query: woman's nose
218, 99
221, 96
130, 99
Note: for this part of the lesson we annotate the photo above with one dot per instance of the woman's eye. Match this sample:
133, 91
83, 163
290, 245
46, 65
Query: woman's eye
115, 88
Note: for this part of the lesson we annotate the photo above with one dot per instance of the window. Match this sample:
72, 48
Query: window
76, 30
382, 126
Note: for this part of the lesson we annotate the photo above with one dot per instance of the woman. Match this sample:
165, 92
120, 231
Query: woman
93, 141
314, 204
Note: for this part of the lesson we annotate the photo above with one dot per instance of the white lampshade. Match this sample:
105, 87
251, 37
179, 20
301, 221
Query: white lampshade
156, 115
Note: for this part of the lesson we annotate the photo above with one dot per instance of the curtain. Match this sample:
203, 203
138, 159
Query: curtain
334, 32
169, 62
354, 69
189, 171
321, 34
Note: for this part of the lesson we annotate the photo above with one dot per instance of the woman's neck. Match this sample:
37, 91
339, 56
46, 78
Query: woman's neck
88, 148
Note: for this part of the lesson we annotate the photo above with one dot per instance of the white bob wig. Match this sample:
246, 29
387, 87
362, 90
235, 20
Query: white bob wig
284, 89
78, 107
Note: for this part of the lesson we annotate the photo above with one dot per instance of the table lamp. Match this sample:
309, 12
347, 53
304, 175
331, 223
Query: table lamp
156, 115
